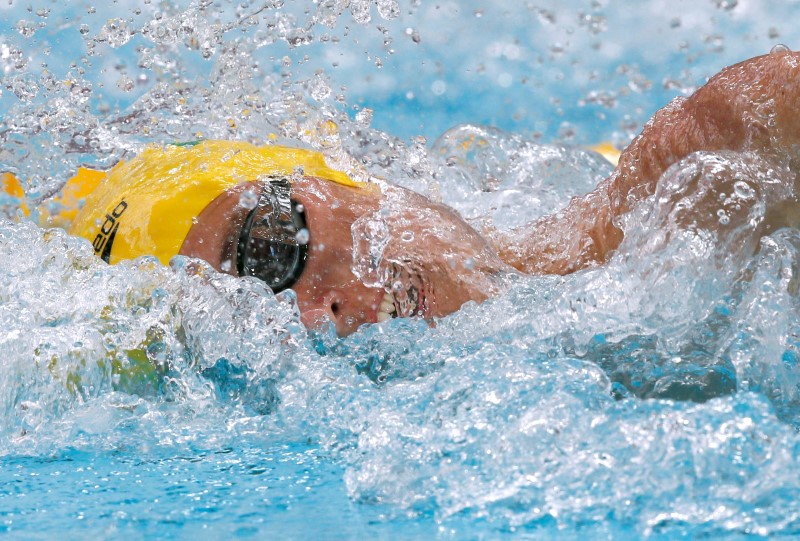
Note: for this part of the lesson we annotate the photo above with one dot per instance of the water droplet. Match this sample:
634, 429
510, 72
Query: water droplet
566, 131
300, 207
407, 236
360, 10
414, 35
116, 32
320, 89
743, 190
125, 83
248, 200
727, 5
303, 236
25, 28
226, 265
780, 48
364, 117
388, 9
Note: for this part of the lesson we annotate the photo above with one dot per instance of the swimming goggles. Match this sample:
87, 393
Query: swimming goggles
271, 246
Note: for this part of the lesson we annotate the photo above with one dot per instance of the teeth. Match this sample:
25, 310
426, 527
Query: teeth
386, 309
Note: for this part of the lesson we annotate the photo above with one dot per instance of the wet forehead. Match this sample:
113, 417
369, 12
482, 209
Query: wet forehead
330, 198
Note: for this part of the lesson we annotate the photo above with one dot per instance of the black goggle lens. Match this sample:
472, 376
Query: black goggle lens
269, 248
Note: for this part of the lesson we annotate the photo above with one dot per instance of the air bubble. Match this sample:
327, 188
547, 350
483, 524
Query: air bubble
407, 236
226, 265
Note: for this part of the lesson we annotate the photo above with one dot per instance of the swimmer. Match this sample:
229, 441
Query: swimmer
282, 216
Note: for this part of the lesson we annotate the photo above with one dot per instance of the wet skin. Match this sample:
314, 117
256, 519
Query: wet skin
430, 251
749, 107
434, 254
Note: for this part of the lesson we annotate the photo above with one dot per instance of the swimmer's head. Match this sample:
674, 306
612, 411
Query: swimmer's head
189, 201
148, 205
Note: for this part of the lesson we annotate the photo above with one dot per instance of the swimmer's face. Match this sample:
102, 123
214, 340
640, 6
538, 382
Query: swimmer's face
430, 264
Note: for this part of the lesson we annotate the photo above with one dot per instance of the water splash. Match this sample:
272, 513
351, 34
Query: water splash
185, 334
658, 392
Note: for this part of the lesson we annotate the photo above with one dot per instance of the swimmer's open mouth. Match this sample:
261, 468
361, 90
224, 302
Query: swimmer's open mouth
387, 309
401, 299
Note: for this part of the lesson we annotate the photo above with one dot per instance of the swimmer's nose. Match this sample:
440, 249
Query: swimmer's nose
327, 308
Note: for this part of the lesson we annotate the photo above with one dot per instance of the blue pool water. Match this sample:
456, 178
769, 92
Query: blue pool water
657, 396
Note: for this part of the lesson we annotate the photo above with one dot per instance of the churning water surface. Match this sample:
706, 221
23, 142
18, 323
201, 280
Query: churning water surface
657, 395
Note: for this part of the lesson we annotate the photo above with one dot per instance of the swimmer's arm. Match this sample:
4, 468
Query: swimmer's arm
754, 105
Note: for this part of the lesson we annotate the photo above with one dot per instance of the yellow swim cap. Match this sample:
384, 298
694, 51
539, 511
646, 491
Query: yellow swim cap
147, 206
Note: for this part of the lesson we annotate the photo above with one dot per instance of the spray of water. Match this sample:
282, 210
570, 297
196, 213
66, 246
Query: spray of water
660, 389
